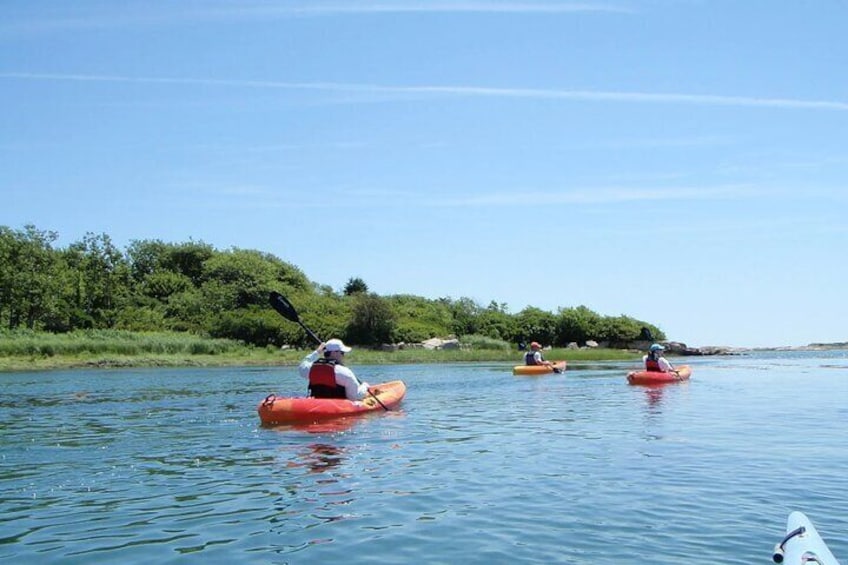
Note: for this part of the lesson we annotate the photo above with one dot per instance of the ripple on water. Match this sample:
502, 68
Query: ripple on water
478, 466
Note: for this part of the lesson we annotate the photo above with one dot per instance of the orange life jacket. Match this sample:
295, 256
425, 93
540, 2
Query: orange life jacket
322, 380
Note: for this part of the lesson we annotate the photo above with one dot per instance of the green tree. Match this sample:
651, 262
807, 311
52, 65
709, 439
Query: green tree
328, 315
193, 287
355, 285
534, 324
146, 257
373, 321
619, 330
238, 278
189, 259
578, 325
149, 256
253, 325
465, 314
188, 311
418, 318
100, 281
495, 323
164, 284
141, 314
28, 281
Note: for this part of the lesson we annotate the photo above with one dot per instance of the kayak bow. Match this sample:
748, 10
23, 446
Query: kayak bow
802, 544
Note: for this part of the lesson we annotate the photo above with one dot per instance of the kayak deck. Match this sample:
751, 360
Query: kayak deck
558, 367
802, 543
681, 373
286, 410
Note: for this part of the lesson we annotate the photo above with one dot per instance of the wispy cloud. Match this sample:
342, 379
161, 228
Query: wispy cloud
660, 142
145, 14
610, 195
376, 197
404, 6
430, 91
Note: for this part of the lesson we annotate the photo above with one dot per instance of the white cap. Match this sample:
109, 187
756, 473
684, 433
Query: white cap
336, 345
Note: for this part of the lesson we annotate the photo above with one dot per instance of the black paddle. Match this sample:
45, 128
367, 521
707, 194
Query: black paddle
282, 305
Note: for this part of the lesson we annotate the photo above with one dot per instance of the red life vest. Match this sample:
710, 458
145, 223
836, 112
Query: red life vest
322, 380
652, 365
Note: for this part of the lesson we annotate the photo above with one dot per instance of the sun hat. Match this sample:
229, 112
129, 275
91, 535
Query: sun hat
657, 347
336, 345
535, 345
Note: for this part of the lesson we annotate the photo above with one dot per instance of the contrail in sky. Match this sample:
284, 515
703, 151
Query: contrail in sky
456, 91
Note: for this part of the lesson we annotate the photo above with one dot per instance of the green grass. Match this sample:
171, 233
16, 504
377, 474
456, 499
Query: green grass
26, 350
20, 343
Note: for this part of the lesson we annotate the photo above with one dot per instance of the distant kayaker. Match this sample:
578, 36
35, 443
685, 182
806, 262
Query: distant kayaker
328, 377
654, 361
534, 356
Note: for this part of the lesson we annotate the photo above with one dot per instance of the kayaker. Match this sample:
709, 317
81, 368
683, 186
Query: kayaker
654, 361
328, 377
534, 356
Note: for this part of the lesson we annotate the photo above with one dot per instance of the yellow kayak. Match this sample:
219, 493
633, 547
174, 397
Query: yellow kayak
558, 367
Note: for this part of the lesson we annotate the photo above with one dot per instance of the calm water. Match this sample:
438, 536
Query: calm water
478, 466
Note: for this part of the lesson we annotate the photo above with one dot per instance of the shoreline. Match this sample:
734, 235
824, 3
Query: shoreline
678, 348
292, 357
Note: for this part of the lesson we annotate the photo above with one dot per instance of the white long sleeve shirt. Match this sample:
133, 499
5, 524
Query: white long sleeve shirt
354, 390
665, 366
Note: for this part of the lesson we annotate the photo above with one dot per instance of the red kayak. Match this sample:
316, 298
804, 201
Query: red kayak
681, 373
280, 410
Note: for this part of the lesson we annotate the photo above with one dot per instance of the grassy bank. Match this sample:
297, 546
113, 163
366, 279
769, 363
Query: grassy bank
21, 351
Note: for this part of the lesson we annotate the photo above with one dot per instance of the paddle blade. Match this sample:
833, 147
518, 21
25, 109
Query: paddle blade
282, 305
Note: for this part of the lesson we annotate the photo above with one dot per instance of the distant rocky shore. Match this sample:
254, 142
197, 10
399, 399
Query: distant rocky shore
678, 348
671, 347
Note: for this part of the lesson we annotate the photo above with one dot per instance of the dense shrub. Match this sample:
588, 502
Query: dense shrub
191, 287
474, 341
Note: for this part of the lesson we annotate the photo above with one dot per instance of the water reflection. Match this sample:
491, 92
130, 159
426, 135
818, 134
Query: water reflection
654, 396
117, 475
654, 393
320, 457
336, 425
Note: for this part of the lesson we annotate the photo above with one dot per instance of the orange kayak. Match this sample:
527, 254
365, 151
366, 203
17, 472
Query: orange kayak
558, 367
282, 410
681, 373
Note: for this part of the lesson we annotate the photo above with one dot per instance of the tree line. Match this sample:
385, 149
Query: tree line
192, 287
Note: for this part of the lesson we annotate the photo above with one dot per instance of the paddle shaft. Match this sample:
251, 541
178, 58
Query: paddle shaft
285, 308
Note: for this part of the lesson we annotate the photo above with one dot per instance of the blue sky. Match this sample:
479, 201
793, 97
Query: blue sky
679, 161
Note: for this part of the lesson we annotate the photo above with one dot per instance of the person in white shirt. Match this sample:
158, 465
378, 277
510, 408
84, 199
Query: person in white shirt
327, 375
654, 361
534, 356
